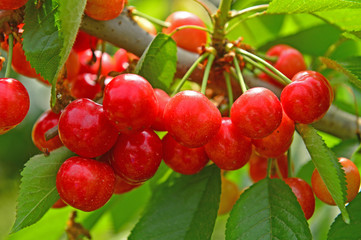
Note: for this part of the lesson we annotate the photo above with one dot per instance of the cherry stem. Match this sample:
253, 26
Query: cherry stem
189, 27
206, 72
247, 10
10, 56
265, 63
269, 167
189, 72
51, 133
230, 29
239, 74
278, 171
229, 89
150, 18
264, 69
289, 164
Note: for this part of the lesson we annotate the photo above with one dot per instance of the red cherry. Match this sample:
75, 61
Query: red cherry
72, 65
182, 159
278, 142
228, 149
130, 103
304, 195
90, 63
258, 167
163, 98
84, 41
14, 103
46, 121
256, 113
11, 4
121, 60
84, 183
307, 98
104, 10
59, 204
137, 156
85, 130
352, 180
85, 86
191, 118
122, 186
189, 39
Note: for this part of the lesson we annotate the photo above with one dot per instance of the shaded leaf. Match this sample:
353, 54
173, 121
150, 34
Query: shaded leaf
37, 189
183, 207
267, 210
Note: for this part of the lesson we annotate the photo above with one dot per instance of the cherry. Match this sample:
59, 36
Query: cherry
145, 25
11, 4
103, 10
256, 113
352, 181
258, 167
84, 41
228, 149
46, 121
121, 60
229, 196
304, 195
85, 86
72, 65
14, 103
189, 39
278, 142
163, 98
307, 98
191, 118
122, 186
182, 159
130, 103
90, 63
59, 204
137, 156
85, 129
84, 183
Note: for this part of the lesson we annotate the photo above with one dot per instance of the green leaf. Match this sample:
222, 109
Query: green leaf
184, 207
267, 210
351, 67
159, 62
346, 19
340, 230
327, 165
310, 6
37, 189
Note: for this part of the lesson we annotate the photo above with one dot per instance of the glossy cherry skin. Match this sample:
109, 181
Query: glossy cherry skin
11, 4
307, 98
84, 41
103, 10
89, 64
278, 142
258, 167
352, 181
14, 103
85, 130
256, 113
191, 118
85, 86
84, 183
229, 196
46, 121
123, 186
304, 195
228, 149
121, 60
163, 98
137, 156
182, 159
130, 103
189, 39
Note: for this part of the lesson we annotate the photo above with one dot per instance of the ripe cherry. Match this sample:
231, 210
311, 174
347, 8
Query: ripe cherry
84, 41
352, 181
304, 195
46, 121
59, 204
72, 65
121, 60
307, 98
85, 86
229, 196
182, 159
104, 10
130, 103
228, 149
256, 113
122, 186
85, 130
14, 103
90, 63
11, 4
191, 118
189, 39
163, 98
84, 183
137, 156
258, 167
278, 142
